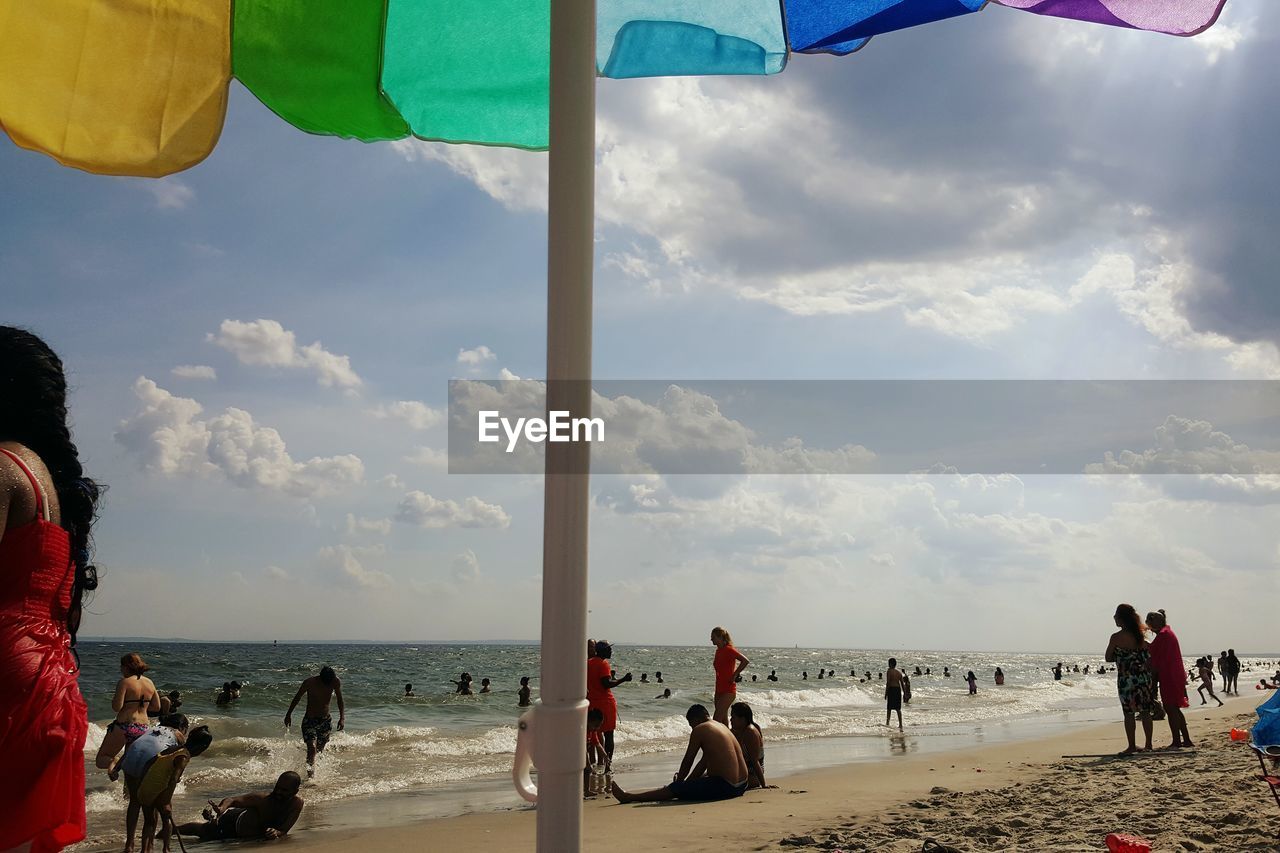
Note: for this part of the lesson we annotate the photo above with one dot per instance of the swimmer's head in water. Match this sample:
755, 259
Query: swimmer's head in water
697, 714
199, 740
327, 675
133, 664
177, 722
595, 718
408, 687
286, 786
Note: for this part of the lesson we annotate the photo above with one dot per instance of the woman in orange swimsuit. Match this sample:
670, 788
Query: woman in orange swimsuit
47, 508
728, 664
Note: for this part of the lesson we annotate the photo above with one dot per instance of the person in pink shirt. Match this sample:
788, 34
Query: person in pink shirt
1166, 660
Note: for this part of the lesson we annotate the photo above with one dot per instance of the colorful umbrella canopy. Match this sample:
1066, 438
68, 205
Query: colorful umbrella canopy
139, 87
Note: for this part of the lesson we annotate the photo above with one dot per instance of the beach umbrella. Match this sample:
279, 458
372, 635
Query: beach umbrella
139, 87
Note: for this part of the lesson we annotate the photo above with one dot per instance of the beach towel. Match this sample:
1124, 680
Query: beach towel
1266, 732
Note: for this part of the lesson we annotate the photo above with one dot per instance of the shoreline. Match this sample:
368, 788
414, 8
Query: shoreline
806, 802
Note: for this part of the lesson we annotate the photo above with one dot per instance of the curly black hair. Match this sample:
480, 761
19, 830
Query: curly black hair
33, 387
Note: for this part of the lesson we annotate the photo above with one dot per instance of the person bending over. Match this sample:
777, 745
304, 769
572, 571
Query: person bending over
720, 775
270, 815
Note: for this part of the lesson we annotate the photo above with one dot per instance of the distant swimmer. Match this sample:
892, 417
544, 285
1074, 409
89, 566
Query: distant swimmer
893, 693
226, 697
657, 677
644, 678
462, 686
524, 692
918, 672
820, 673
804, 676
773, 675
666, 694
1057, 672
999, 677
753, 678
408, 691
725, 768
831, 673
973, 683
485, 687
946, 672
906, 688
316, 722
268, 816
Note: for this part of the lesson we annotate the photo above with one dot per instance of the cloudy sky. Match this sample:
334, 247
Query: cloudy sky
260, 348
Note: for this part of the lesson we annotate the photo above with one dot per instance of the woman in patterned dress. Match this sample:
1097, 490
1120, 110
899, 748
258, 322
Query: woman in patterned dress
1129, 652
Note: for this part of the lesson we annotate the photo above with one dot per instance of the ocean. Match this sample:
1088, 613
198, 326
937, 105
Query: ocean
439, 753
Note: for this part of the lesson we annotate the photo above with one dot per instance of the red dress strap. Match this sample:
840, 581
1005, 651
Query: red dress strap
42, 510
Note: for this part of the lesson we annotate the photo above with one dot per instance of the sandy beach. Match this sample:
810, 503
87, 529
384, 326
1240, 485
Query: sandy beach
1018, 796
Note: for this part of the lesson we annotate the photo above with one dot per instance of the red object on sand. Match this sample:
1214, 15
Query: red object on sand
1118, 842
1239, 734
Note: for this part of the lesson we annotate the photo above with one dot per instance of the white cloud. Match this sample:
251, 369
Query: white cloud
1189, 446
277, 574
427, 457
392, 481
170, 193
266, 343
168, 436
422, 510
473, 359
340, 565
412, 412
1221, 39
194, 371
358, 525
466, 567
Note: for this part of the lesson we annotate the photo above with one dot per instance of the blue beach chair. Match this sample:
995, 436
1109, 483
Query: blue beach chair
1266, 743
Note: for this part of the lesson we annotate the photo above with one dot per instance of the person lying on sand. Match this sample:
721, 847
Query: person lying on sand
270, 815
720, 775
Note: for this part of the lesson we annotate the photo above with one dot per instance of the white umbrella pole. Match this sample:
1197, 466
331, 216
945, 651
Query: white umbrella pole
560, 719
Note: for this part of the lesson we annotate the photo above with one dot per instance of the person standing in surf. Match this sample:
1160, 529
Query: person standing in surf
728, 664
893, 688
316, 722
600, 684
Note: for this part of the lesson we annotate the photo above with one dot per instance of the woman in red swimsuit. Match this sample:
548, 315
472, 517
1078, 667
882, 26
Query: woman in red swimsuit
46, 511
729, 664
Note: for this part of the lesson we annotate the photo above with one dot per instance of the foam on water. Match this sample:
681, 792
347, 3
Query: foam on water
395, 744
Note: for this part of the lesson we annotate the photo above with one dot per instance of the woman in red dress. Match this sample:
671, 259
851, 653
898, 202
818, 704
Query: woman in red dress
1166, 660
728, 664
46, 511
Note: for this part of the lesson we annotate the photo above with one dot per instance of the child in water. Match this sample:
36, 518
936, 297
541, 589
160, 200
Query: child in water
524, 692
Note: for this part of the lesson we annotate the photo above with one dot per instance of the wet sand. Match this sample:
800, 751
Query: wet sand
1015, 796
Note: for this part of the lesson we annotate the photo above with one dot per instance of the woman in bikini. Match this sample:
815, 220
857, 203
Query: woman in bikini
47, 509
742, 723
728, 664
135, 696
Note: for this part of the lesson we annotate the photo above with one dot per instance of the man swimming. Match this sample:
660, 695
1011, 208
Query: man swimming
270, 815
316, 722
720, 775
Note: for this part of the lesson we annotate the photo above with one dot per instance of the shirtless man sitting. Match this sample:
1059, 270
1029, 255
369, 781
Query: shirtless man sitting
268, 816
720, 775
316, 723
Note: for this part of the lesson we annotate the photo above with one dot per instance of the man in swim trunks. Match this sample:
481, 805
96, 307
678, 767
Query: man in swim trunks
720, 775
153, 766
893, 693
269, 816
316, 722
